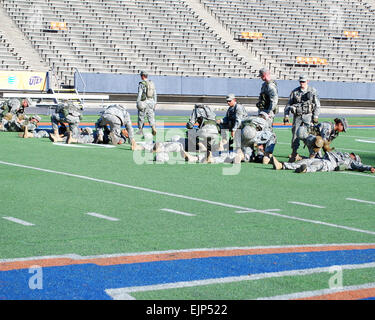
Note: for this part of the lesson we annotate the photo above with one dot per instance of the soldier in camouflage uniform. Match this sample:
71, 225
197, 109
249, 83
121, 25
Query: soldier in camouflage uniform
208, 129
304, 104
68, 112
146, 103
232, 120
30, 127
14, 106
268, 98
321, 135
257, 139
332, 161
115, 116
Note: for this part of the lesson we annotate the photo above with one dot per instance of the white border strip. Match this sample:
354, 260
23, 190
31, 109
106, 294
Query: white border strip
179, 212
358, 200
78, 257
190, 198
101, 216
306, 204
365, 141
19, 221
123, 293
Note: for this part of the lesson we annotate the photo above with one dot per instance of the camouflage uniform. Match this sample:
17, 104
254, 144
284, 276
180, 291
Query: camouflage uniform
305, 106
146, 102
268, 99
13, 106
207, 130
257, 131
67, 112
332, 161
115, 116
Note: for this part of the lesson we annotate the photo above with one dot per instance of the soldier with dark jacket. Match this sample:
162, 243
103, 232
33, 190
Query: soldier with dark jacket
304, 104
268, 98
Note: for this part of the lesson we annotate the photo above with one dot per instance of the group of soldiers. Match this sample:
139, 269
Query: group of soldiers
238, 137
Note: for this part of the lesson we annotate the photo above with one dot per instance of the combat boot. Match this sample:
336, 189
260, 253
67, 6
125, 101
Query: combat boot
294, 157
201, 147
70, 139
153, 130
26, 133
301, 169
99, 138
267, 158
113, 139
55, 137
276, 164
189, 158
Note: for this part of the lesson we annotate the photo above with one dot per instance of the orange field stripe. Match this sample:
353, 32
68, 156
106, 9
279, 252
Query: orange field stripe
178, 255
345, 295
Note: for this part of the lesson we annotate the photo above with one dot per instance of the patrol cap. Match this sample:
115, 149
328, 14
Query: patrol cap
343, 121
230, 97
263, 71
144, 73
303, 78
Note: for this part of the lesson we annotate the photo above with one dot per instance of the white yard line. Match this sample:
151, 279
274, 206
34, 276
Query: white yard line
359, 174
19, 221
365, 141
358, 200
101, 216
179, 212
226, 205
310, 294
124, 293
306, 204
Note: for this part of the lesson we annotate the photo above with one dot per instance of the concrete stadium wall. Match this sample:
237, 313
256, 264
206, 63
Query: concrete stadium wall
199, 86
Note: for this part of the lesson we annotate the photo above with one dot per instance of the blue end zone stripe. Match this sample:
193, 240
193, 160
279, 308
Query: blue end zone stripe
89, 281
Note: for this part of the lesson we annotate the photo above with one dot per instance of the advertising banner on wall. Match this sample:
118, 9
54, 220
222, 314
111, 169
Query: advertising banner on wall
23, 80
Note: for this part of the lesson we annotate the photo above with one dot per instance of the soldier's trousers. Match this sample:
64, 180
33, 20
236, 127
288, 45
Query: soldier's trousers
112, 121
297, 122
73, 122
146, 110
313, 165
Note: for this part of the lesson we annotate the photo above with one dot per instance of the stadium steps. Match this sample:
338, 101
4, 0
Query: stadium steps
29, 58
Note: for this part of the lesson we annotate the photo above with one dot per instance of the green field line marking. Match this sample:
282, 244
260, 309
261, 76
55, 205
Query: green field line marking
179, 212
226, 205
362, 201
306, 204
19, 221
124, 293
308, 294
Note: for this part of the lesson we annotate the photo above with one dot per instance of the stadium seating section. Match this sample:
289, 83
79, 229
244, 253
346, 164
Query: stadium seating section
327, 40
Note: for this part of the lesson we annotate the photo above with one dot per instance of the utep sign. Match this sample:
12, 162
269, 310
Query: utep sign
23, 80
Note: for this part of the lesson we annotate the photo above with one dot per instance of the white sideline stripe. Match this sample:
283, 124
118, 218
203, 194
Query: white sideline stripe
123, 293
365, 141
310, 294
189, 198
359, 174
306, 204
85, 145
74, 256
250, 211
358, 200
101, 216
178, 212
19, 221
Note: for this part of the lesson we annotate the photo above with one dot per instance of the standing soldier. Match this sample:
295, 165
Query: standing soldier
115, 116
269, 97
233, 118
146, 102
305, 105
68, 112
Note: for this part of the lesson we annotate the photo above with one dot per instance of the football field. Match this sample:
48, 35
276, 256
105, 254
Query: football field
103, 222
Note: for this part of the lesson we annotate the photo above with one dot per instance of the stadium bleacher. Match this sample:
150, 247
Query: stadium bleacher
166, 37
